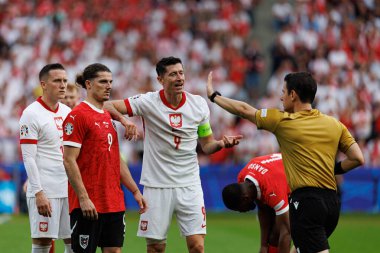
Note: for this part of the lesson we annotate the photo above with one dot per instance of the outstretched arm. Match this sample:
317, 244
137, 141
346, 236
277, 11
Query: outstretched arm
72, 170
235, 107
127, 181
210, 145
117, 108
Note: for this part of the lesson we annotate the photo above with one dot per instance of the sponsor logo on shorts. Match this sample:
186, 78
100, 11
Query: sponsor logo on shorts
296, 203
83, 241
203, 225
44, 226
143, 225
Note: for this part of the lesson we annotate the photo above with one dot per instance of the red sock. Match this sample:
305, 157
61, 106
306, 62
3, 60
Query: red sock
272, 249
52, 248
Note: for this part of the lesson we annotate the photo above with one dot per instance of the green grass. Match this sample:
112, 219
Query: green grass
226, 233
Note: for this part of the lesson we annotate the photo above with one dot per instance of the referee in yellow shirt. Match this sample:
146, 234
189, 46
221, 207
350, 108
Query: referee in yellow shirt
309, 142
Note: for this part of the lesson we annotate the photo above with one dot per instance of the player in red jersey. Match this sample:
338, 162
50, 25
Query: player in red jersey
94, 169
262, 182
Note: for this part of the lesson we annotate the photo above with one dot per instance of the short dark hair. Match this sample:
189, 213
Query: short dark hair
46, 69
164, 62
232, 196
303, 84
90, 72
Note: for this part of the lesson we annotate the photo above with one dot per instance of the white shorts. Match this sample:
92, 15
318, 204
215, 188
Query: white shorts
57, 226
185, 202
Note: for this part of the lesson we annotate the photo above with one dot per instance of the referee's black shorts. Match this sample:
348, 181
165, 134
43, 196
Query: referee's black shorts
86, 235
314, 214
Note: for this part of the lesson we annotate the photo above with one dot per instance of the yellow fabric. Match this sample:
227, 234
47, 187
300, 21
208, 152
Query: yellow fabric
309, 141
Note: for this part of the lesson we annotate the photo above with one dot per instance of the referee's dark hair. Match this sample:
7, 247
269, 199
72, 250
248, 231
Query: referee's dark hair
232, 196
303, 84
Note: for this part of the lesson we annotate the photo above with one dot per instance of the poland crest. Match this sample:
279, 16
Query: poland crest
175, 120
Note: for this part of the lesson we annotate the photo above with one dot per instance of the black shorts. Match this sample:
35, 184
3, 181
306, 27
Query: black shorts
314, 214
87, 235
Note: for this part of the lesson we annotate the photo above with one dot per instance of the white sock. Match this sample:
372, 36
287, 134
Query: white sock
68, 248
40, 248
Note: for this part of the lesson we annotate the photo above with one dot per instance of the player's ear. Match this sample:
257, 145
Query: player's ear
159, 79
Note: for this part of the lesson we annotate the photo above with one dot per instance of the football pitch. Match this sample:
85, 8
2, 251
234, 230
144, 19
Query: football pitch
226, 233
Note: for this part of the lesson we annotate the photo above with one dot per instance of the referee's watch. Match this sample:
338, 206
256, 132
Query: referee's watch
213, 95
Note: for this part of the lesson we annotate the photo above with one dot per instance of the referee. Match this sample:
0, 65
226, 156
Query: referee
309, 142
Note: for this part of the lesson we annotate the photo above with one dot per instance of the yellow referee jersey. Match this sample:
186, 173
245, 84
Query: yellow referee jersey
309, 141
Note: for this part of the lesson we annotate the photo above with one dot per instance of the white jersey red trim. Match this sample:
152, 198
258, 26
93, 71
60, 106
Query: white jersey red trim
170, 138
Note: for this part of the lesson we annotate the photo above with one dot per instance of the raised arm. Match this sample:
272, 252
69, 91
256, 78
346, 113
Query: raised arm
72, 170
127, 181
117, 109
235, 107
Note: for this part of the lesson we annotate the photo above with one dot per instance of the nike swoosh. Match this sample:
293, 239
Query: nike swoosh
203, 226
72, 229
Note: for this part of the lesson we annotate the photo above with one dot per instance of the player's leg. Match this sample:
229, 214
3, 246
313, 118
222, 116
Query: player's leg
41, 228
64, 225
308, 216
84, 232
112, 232
155, 222
191, 216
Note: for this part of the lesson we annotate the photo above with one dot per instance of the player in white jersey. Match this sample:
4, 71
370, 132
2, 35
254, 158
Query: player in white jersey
41, 138
174, 120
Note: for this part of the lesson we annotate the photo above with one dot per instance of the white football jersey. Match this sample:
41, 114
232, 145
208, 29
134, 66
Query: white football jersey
170, 138
41, 126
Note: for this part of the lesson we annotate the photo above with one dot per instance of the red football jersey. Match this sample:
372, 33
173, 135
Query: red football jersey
93, 131
267, 173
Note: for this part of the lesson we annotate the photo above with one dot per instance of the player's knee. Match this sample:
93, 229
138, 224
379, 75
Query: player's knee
155, 245
196, 248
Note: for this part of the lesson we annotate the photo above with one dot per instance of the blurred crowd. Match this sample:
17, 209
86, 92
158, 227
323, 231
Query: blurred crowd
338, 41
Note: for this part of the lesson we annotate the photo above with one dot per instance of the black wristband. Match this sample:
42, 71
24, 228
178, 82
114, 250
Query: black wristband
338, 169
213, 95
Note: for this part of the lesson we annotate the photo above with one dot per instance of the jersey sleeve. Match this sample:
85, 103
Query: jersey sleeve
268, 119
346, 139
135, 104
74, 129
204, 128
28, 128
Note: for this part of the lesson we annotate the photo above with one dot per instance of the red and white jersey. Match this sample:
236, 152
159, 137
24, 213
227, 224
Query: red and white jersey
170, 138
268, 174
93, 131
41, 126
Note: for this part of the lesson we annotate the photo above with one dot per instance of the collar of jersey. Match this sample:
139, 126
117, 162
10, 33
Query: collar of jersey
39, 100
93, 107
163, 98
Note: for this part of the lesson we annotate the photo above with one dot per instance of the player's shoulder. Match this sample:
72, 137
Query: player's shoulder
193, 98
32, 110
145, 96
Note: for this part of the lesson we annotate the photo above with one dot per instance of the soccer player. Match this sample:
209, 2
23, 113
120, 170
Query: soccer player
173, 122
94, 169
72, 95
309, 142
263, 182
41, 146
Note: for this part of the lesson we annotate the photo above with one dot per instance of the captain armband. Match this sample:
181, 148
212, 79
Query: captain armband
204, 130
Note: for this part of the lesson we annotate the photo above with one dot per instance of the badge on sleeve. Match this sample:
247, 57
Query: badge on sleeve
24, 130
69, 128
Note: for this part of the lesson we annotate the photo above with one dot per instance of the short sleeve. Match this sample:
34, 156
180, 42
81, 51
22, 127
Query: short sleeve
29, 128
135, 105
268, 119
74, 129
346, 139
205, 112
